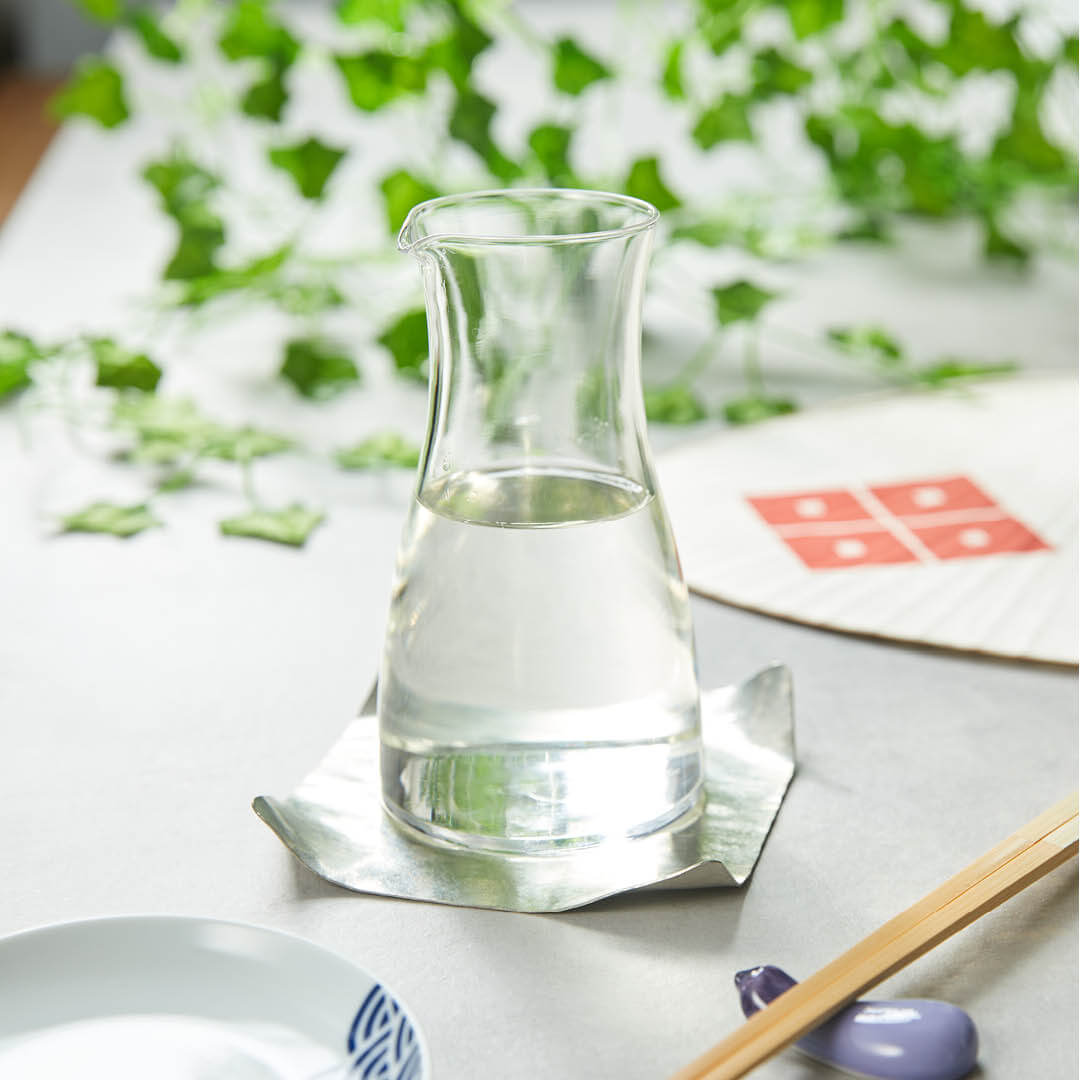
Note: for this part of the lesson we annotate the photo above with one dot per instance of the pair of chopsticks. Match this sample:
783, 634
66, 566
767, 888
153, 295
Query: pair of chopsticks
1041, 845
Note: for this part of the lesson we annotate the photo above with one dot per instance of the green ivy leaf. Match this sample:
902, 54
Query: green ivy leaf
1070, 50
470, 123
457, 52
149, 416
176, 480
1025, 143
156, 42
671, 79
106, 517
975, 42
374, 79
996, 245
870, 342
739, 301
291, 526
382, 449
725, 120
644, 182
105, 11
674, 404
574, 69
95, 90
243, 444
259, 274
389, 13
185, 187
775, 74
179, 181
812, 16
318, 368
407, 342
266, 98
551, 145
310, 163
306, 297
17, 353
755, 407
251, 33
720, 24
196, 250
707, 233
953, 369
870, 228
120, 368
401, 191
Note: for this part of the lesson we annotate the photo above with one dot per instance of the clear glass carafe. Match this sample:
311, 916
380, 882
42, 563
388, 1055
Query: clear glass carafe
538, 687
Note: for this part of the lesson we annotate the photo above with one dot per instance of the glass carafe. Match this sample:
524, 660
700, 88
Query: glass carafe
538, 687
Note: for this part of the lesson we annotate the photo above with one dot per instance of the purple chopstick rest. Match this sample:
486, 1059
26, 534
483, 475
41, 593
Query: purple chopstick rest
891, 1040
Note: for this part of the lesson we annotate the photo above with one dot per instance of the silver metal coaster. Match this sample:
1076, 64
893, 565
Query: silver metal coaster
335, 825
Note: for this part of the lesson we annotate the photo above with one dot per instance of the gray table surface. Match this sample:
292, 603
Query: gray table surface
149, 689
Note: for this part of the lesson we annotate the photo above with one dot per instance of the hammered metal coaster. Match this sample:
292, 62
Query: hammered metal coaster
335, 825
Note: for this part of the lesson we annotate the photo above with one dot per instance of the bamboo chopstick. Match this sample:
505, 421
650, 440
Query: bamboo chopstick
1042, 844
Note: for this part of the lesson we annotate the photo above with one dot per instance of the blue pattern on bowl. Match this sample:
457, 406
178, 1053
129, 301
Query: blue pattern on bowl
382, 1042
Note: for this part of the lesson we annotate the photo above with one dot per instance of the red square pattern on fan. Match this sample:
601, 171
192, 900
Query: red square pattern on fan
979, 538
869, 547
932, 497
809, 507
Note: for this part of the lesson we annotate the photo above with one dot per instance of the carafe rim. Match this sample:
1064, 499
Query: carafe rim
411, 243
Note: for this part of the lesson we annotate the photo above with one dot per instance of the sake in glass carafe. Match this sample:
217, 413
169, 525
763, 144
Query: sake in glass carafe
538, 687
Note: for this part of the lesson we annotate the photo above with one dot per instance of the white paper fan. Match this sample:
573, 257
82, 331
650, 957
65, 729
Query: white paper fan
943, 518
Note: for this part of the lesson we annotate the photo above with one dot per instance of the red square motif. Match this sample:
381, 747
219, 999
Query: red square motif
872, 547
808, 507
932, 496
979, 538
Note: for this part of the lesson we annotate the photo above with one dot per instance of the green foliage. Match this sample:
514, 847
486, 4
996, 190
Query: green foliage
386, 448
17, 353
810, 17
176, 480
267, 97
673, 404
318, 368
470, 123
456, 53
401, 191
741, 300
106, 517
217, 281
573, 68
292, 525
374, 79
105, 11
310, 163
551, 145
389, 13
644, 182
954, 369
166, 430
671, 79
95, 90
754, 407
868, 342
158, 44
252, 33
877, 347
775, 74
120, 368
406, 339
726, 119
185, 189
243, 444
